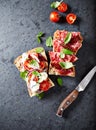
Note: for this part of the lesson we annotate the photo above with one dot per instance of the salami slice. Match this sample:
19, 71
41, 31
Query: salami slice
74, 44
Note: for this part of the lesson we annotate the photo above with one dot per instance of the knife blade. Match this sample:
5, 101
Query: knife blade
74, 94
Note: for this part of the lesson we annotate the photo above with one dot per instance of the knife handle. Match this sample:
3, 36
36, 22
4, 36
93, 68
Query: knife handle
66, 102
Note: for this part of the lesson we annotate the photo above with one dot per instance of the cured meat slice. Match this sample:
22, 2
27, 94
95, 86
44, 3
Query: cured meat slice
56, 69
74, 44
55, 56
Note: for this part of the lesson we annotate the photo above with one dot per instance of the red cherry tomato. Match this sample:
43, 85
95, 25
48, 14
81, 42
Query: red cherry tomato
44, 86
71, 18
26, 65
62, 7
54, 16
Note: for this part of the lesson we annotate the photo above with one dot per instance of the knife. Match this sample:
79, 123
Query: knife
74, 94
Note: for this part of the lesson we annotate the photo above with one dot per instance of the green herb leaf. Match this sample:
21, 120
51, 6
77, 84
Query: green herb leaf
34, 63
62, 55
55, 4
23, 75
39, 49
40, 96
67, 51
36, 73
40, 34
49, 42
39, 40
68, 38
59, 81
66, 65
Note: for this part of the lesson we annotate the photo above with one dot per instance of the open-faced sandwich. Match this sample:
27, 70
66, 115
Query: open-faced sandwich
33, 67
65, 46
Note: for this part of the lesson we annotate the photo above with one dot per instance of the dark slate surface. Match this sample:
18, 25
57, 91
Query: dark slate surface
20, 21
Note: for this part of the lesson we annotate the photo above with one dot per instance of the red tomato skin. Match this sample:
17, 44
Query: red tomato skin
71, 17
44, 86
54, 16
63, 7
26, 65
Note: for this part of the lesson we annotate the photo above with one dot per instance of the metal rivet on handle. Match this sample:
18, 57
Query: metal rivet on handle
67, 102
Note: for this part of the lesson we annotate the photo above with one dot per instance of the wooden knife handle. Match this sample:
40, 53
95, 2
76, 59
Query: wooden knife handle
66, 102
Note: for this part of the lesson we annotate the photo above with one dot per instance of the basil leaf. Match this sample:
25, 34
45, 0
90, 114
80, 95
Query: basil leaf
34, 63
39, 49
39, 40
66, 65
23, 75
49, 42
40, 95
62, 55
55, 4
68, 38
59, 81
67, 51
38, 36
36, 73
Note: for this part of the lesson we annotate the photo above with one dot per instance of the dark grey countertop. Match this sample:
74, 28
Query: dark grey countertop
20, 21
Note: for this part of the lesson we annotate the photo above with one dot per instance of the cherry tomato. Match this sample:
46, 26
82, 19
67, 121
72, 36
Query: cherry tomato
54, 16
62, 7
71, 18
26, 65
44, 86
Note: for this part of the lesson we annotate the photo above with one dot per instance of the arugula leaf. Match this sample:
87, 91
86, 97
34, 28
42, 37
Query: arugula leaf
66, 65
38, 37
68, 38
36, 73
39, 49
23, 75
34, 63
62, 55
55, 4
40, 95
59, 81
49, 42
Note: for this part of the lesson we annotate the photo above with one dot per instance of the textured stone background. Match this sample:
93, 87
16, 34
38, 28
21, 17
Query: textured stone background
20, 21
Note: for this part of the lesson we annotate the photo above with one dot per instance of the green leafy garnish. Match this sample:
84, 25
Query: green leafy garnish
49, 42
23, 75
62, 55
66, 65
36, 73
38, 40
34, 63
38, 36
55, 4
68, 38
59, 81
39, 49
40, 95
67, 51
